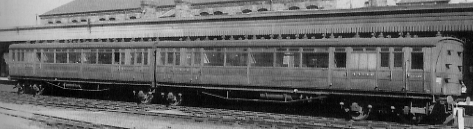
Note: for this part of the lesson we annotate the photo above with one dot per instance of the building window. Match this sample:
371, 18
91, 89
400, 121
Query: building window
102, 19
133, 17
204, 14
312, 7
112, 19
74, 21
294, 8
58, 22
50, 22
246, 11
218, 13
262, 9
83, 20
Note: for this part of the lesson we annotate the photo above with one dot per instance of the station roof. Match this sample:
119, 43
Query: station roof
84, 6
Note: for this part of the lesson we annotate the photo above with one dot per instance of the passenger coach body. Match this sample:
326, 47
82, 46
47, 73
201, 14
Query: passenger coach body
381, 67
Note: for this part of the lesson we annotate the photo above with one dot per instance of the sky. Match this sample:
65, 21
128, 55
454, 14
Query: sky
23, 12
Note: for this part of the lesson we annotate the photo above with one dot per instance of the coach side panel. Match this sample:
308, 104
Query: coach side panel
94, 64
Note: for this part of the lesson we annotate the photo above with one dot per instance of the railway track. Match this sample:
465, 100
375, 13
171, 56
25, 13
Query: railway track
197, 114
56, 122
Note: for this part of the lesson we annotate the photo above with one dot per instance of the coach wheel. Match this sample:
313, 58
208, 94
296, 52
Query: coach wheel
173, 99
20, 88
145, 98
358, 113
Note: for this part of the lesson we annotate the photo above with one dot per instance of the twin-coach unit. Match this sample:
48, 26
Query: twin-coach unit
391, 71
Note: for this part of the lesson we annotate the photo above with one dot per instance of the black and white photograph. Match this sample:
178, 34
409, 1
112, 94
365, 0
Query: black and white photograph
236, 64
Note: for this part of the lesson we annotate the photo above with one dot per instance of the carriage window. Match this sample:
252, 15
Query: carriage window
340, 59
139, 57
13, 55
162, 57
105, 56
213, 57
90, 56
178, 57
28, 55
21, 55
116, 56
289, 58
173, 56
262, 59
197, 57
236, 57
417, 61
61, 56
187, 57
315, 60
122, 58
398, 58
38, 55
132, 58
145, 57
384, 59
74, 56
48, 56
363, 60
170, 58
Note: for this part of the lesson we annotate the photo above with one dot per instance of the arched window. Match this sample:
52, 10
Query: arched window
50, 22
58, 22
112, 19
204, 14
262, 9
294, 8
246, 11
132, 17
218, 13
74, 21
102, 19
312, 7
83, 20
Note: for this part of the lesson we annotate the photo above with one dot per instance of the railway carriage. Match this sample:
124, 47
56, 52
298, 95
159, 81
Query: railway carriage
396, 71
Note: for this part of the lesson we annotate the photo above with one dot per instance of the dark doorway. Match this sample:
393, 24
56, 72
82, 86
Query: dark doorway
4, 54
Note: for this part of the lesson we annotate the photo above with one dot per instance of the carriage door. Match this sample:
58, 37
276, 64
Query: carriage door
161, 67
187, 69
415, 70
391, 73
363, 68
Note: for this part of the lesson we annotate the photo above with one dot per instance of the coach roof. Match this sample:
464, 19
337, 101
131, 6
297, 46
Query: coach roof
398, 42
